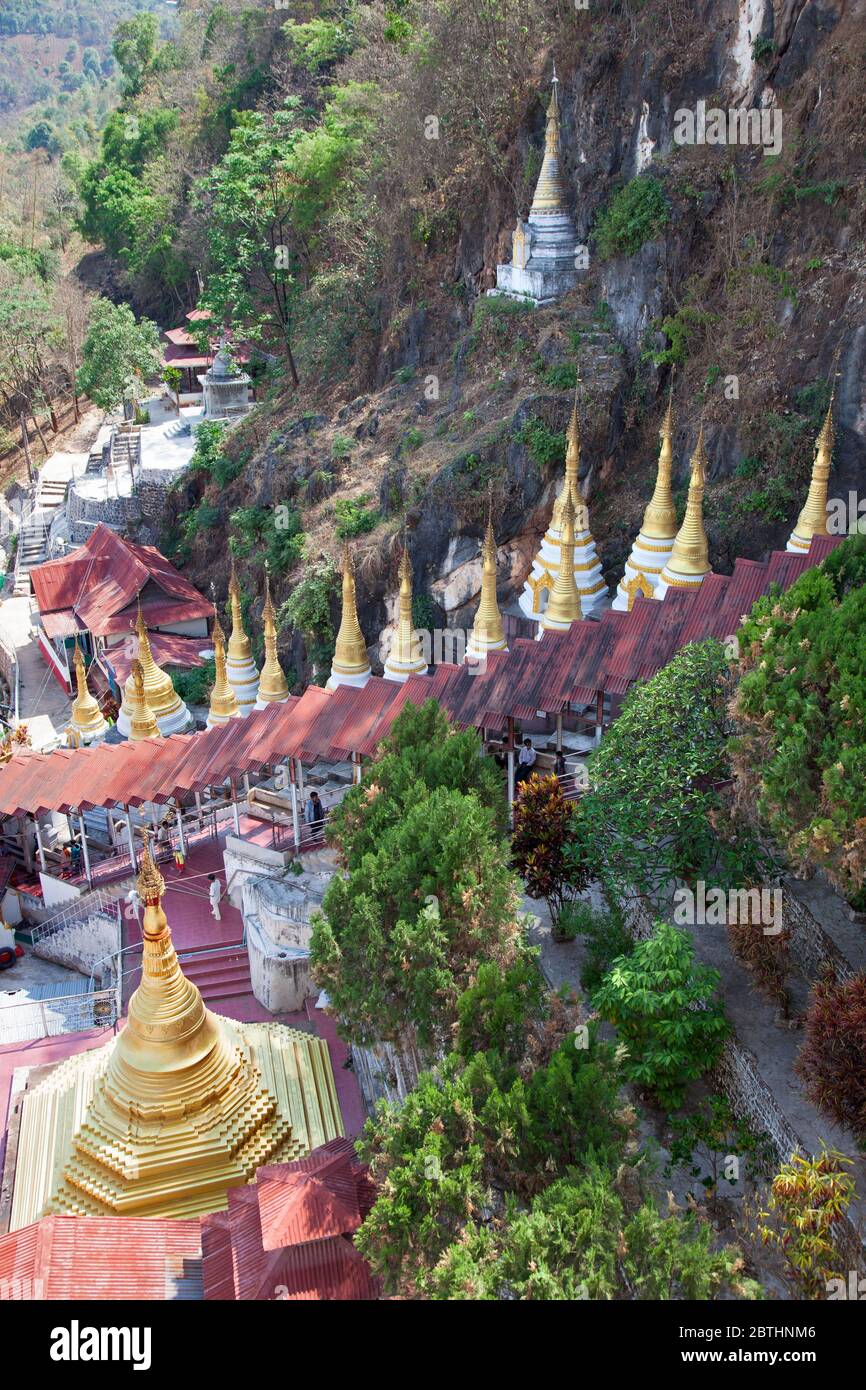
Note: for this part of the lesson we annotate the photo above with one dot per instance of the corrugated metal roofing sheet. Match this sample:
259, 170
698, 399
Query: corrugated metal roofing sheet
95, 1257
564, 668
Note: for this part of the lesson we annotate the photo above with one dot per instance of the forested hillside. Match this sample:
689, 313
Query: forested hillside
337, 181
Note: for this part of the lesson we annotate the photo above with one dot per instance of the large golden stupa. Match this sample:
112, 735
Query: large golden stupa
181, 1106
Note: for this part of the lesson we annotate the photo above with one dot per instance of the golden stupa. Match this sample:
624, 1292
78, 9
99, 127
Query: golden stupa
563, 606
351, 665
689, 561
223, 701
585, 562
171, 713
273, 686
241, 670
86, 720
488, 633
406, 657
654, 542
179, 1107
812, 520
142, 720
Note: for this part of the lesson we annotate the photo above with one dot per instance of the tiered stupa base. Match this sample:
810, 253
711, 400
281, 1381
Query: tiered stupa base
549, 271
643, 571
179, 721
671, 580
594, 597
243, 677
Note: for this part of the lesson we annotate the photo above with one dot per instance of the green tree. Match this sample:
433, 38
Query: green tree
118, 354
134, 48
545, 827
579, 1240
667, 1011
656, 810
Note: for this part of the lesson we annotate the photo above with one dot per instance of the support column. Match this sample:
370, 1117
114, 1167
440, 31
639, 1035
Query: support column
131, 836
85, 850
356, 768
181, 843
39, 845
599, 716
235, 814
198, 809
559, 732
510, 777
300, 766
296, 820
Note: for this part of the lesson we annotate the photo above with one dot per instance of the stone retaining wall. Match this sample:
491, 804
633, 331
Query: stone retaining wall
812, 950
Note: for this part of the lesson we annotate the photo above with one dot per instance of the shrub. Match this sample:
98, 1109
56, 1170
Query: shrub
832, 1060
634, 215
808, 1198
193, 684
544, 825
607, 938
341, 447
667, 1012
354, 517
546, 446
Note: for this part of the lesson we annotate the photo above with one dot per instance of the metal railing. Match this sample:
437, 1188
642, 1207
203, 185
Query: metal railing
30, 1019
79, 910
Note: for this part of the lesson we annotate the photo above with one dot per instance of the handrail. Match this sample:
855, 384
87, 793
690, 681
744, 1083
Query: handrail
77, 910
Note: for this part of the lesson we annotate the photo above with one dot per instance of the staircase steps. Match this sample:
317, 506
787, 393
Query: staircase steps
221, 974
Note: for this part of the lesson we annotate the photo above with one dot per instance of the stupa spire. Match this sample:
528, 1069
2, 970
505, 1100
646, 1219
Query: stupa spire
654, 542
241, 671
549, 197
273, 687
689, 560
487, 633
563, 607
142, 720
812, 520
223, 704
86, 719
405, 657
171, 713
350, 665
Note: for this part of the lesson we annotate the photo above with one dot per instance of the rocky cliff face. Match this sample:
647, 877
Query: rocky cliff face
753, 283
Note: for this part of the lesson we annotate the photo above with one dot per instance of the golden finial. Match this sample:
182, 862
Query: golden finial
142, 719
487, 633
812, 520
350, 649
690, 551
571, 482
660, 517
405, 657
563, 606
223, 701
273, 686
150, 882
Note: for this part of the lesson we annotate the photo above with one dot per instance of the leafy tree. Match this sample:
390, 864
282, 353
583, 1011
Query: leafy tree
427, 896
579, 1240
705, 1139
656, 810
832, 1060
667, 1012
263, 204
308, 610
118, 354
545, 825
134, 48
800, 753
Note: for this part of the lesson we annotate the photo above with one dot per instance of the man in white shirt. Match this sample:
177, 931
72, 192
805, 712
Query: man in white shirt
134, 899
215, 893
526, 760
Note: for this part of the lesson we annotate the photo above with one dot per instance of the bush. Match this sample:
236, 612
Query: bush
606, 939
832, 1060
634, 215
546, 446
809, 1197
544, 826
667, 1012
193, 684
354, 517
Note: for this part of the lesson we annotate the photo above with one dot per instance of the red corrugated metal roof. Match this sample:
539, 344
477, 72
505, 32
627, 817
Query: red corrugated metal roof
564, 668
288, 1235
94, 1257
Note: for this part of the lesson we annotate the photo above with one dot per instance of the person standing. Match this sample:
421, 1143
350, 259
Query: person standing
314, 813
134, 899
215, 893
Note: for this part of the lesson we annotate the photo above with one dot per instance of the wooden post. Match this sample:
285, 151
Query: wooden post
39, 845
85, 850
599, 715
559, 732
180, 840
131, 837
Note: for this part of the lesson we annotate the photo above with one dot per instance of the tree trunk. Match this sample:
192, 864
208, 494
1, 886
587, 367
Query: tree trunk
296, 380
